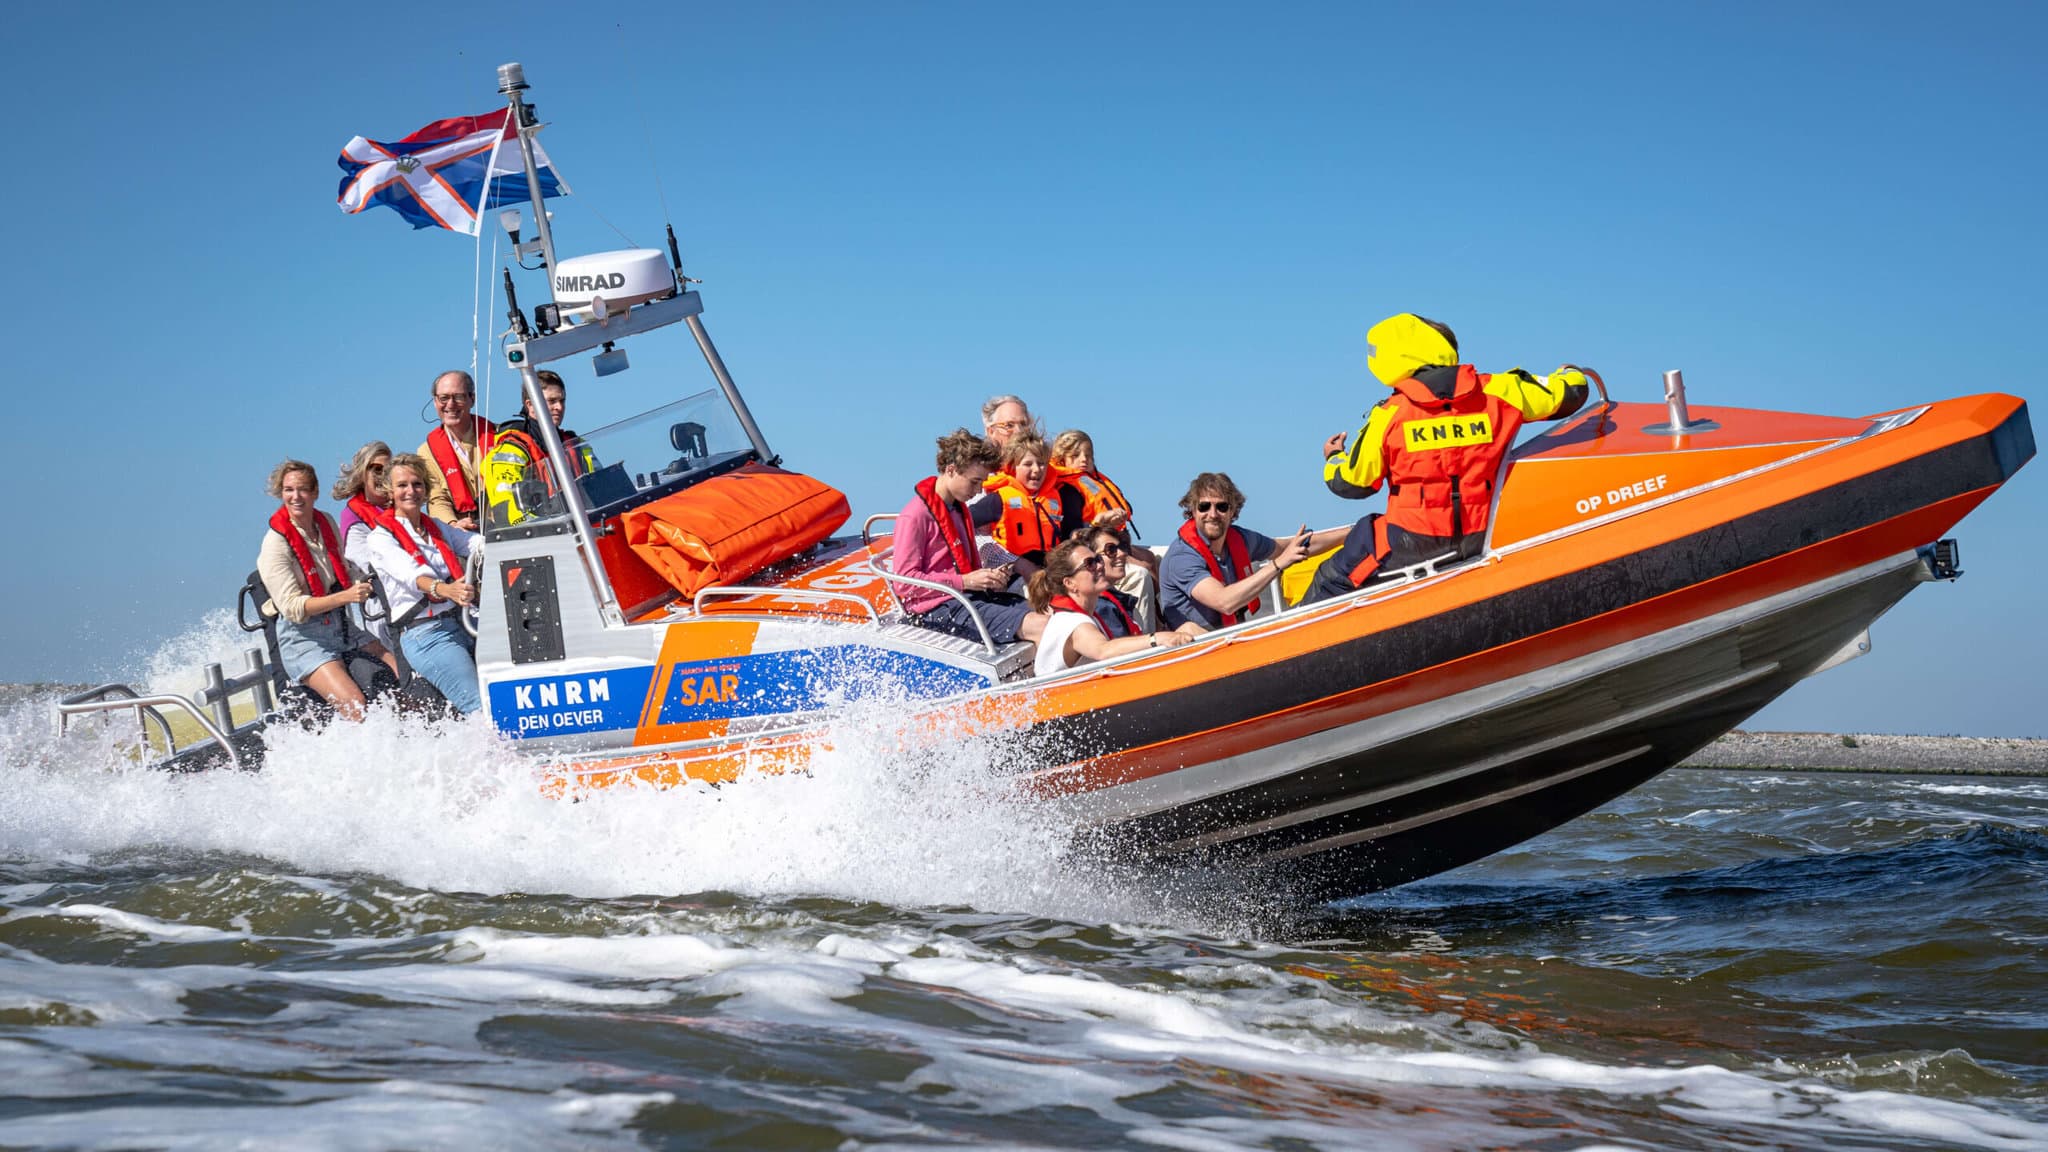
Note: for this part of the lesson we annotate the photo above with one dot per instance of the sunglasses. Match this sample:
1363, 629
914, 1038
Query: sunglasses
1213, 505
455, 399
1093, 564
1113, 550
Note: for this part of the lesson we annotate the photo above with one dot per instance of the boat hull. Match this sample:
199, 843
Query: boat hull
1426, 789
1402, 731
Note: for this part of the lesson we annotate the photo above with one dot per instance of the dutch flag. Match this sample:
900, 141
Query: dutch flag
439, 174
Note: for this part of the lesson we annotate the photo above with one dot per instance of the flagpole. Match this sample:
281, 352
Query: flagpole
511, 82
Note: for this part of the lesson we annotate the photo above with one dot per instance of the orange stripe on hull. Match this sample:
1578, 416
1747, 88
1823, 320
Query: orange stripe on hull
1655, 615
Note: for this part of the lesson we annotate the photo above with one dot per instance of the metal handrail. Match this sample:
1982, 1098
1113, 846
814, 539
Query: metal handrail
471, 615
867, 535
74, 704
876, 566
742, 591
94, 700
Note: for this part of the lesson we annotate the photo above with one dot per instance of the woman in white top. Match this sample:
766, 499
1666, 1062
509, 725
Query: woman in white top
1067, 589
301, 566
421, 563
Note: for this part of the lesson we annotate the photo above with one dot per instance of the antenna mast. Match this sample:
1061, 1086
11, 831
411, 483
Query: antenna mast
512, 82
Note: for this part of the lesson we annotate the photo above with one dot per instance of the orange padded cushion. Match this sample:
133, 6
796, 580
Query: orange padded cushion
732, 526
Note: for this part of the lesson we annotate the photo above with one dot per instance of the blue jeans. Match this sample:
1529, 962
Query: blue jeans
1001, 611
443, 653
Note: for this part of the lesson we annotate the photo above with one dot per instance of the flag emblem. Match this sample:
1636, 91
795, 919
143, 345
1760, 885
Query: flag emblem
447, 174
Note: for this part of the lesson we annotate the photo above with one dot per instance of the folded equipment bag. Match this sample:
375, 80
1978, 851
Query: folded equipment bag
729, 527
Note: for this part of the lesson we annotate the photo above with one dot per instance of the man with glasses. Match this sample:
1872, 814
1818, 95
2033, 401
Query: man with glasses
456, 448
1002, 417
1206, 578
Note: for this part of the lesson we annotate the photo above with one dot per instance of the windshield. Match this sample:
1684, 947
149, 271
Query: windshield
633, 462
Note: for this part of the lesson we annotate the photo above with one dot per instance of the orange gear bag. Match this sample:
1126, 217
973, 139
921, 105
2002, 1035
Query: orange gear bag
729, 527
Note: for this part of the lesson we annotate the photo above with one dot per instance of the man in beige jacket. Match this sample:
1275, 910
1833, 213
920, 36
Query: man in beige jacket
455, 449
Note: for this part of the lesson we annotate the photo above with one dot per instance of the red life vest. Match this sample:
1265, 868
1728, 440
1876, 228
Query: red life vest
281, 520
965, 556
1442, 455
401, 531
1068, 604
1240, 560
365, 511
450, 464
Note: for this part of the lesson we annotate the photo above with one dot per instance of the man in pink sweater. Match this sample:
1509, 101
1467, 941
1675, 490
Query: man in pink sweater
934, 541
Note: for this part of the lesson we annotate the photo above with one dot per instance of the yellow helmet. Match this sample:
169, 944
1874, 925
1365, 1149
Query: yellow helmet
1398, 345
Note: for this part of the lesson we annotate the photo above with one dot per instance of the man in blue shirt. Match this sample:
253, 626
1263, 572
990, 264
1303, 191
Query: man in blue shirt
1206, 576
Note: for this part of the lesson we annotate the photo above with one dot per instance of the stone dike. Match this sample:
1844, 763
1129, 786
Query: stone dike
1860, 752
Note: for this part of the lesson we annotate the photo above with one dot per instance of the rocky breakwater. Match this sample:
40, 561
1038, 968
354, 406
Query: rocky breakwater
1860, 752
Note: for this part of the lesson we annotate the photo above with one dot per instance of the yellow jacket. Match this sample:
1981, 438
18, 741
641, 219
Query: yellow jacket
510, 461
1404, 345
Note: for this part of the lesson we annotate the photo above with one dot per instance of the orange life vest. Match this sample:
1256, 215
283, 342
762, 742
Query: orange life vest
281, 520
1099, 494
965, 556
450, 464
1442, 455
1024, 525
1240, 561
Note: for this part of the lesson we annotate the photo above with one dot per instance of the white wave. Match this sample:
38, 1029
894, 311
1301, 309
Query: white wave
393, 1114
1066, 1038
454, 807
130, 922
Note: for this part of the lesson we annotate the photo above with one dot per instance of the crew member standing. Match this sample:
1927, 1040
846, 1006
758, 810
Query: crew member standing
1437, 443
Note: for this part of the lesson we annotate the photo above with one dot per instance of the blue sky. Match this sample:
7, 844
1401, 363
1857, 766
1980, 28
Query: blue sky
1168, 223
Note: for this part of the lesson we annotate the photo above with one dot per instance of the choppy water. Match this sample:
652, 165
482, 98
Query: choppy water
390, 939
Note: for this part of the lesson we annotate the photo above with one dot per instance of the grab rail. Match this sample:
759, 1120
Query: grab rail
96, 700
741, 591
876, 566
867, 536
471, 614
220, 691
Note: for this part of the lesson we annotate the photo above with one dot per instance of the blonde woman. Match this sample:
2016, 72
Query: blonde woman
422, 563
302, 567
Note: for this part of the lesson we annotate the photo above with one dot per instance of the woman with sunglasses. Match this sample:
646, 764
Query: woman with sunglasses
365, 502
1067, 590
1121, 613
1207, 577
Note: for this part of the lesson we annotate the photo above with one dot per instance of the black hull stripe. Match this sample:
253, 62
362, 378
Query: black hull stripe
1538, 608
1568, 725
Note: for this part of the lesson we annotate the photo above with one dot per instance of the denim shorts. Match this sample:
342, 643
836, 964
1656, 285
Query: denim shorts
303, 648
